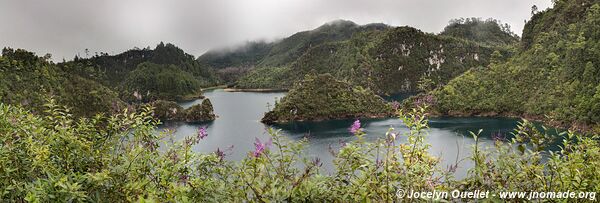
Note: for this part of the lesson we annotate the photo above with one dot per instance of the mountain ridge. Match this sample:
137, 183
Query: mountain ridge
359, 53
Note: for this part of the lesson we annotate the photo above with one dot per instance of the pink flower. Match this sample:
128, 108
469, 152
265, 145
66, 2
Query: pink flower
260, 147
183, 178
202, 133
220, 154
428, 100
498, 136
355, 127
395, 105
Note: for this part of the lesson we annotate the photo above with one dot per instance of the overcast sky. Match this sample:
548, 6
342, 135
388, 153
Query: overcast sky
67, 27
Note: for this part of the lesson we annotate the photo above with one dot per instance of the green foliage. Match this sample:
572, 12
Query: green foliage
556, 76
520, 168
322, 97
387, 61
27, 79
265, 78
280, 55
165, 82
490, 31
425, 84
339, 59
405, 55
248, 55
261, 58
200, 112
291, 48
119, 70
167, 110
230, 75
171, 111
54, 158
556, 19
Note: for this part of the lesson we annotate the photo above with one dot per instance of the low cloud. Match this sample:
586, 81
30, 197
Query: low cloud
65, 28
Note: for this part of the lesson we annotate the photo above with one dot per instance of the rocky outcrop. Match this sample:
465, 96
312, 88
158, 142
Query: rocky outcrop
171, 111
166, 110
200, 112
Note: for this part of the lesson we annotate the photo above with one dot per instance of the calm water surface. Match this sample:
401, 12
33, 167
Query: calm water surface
238, 124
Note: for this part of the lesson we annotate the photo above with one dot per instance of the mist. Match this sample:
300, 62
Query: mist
66, 28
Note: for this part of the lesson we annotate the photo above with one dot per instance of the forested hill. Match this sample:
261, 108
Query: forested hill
282, 52
285, 50
554, 77
291, 48
248, 55
376, 56
166, 72
389, 60
488, 31
32, 81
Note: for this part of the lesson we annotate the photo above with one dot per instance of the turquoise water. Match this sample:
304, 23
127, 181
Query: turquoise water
238, 124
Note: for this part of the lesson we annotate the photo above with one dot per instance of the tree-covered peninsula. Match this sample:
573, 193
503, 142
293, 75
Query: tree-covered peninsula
322, 97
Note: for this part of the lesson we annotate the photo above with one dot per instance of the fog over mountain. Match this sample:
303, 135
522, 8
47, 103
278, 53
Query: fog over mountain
65, 28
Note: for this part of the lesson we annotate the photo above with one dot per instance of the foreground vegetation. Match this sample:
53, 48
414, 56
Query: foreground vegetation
52, 158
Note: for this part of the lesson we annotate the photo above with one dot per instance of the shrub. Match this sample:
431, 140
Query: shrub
52, 158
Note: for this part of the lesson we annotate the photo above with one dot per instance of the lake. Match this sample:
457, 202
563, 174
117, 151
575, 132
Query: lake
238, 124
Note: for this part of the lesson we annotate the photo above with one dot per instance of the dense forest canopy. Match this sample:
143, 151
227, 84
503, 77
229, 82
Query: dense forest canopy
101, 83
126, 73
248, 55
156, 81
387, 60
171, 111
322, 97
490, 31
265, 57
556, 77
29, 81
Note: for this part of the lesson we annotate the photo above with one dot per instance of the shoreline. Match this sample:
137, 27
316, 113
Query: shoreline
199, 94
574, 126
213, 88
565, 126
269, 121
578, 127
253, 90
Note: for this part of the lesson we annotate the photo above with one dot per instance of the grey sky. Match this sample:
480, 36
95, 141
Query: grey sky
67, 27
